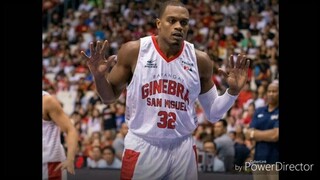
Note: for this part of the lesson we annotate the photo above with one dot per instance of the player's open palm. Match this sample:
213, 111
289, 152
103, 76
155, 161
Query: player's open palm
237, 72
97, 62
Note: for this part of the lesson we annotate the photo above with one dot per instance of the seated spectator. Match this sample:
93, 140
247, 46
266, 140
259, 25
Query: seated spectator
242, 152
210, 147
95, 161
110, 159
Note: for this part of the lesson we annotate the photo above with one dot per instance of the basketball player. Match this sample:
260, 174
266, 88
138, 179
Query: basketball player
54, 160
163, 76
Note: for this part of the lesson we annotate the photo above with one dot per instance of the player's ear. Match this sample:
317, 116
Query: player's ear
158, 23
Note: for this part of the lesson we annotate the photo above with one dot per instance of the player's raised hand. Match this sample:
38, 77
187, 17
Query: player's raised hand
97, 62
237, 73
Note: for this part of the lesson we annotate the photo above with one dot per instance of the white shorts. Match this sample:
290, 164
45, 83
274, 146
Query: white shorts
48, 172
159, 159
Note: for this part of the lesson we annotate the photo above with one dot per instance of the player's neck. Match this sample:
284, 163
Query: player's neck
169, 50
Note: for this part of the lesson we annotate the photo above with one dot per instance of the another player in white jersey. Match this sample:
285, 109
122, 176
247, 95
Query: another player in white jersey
54, 160
164, 75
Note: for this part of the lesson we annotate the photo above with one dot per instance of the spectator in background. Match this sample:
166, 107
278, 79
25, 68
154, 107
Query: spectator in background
94, 122
198, 134
242, 152
244, 95
95, 160
118, 142
247, 115
108, 116
119, 114
264, 130
262, 72
110, 159
225, 145
210, 147
246, 40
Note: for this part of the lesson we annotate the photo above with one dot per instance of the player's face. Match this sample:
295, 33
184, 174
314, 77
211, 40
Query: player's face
174, 24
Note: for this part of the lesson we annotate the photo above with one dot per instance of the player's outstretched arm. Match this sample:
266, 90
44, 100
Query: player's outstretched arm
214, 105
110, 84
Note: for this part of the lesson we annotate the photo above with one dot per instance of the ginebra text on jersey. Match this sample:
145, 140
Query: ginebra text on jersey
167, 87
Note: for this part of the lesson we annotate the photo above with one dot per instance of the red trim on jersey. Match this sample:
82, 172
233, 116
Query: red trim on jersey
162, 54
129, 162
52, 174
195, 152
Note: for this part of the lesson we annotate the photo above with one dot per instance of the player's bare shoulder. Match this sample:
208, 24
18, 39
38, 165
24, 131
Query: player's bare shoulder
131, 46
205, 64
46, 103
50, 105
128, 53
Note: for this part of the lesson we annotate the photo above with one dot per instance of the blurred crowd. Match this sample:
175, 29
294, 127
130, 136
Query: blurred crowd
218, 27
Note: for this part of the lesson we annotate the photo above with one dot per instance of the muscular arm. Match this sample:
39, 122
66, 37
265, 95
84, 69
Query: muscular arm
55, 112
215, 106
111, 86
205, 66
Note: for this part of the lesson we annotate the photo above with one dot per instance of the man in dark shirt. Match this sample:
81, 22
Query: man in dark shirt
264, 130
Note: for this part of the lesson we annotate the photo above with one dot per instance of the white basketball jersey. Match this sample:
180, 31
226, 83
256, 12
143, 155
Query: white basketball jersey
52, 149
162, 92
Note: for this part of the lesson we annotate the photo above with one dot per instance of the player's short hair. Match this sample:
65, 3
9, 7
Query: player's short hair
164, 5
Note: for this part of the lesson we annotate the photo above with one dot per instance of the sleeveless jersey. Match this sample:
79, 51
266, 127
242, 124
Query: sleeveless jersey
52, 149
162, 92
